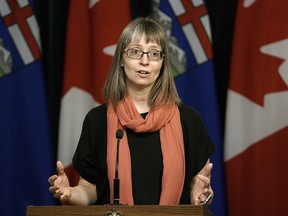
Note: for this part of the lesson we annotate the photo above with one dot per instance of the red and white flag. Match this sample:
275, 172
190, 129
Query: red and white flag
256, 136
93, 30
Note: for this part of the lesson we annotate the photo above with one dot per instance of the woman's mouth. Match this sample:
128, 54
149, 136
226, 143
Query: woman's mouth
143, 72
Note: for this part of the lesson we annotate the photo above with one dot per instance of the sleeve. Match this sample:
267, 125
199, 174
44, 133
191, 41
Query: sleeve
90, 156
204, 146
83, 159
198, 145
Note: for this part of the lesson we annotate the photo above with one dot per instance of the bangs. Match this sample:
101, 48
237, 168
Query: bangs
150, 31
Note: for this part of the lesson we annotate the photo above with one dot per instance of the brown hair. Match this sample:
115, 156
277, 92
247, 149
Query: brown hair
163, 90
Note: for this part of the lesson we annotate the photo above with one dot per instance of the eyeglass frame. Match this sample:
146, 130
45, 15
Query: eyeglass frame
147, 53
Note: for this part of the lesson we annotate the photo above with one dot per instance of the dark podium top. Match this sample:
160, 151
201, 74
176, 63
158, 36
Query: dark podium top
118, 210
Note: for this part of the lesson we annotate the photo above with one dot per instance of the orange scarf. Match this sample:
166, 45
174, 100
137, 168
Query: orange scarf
167, 120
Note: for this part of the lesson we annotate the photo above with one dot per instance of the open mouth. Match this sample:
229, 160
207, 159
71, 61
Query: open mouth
143, 72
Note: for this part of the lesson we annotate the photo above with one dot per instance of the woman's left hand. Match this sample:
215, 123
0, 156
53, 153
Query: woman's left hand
202, 192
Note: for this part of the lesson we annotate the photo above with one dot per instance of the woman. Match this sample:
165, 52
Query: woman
164, 153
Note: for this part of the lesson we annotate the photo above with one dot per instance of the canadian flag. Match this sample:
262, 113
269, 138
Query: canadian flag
256, 136
92, 33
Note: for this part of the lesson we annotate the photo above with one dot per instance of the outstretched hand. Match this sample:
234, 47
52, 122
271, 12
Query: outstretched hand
202, 192
59, 184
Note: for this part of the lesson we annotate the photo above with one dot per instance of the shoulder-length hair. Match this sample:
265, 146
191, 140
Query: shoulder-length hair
163, 91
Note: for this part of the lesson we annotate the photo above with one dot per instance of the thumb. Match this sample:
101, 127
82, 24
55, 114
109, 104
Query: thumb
60, 168
208, 169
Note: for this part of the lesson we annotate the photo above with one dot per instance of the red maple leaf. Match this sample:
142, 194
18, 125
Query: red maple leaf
254, 73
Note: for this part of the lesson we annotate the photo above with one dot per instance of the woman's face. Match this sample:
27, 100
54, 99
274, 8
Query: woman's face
141, 74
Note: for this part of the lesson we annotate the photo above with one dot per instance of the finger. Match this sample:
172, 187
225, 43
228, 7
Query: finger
205, 180
208, 169
201, 195
64, 197
202, 198
60, 168
196, 198
53, 189
206, 191
196, 201
52, 179
57, 194
206, 200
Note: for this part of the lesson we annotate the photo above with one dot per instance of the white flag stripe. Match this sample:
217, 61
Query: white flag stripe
248, 3
206, 23
177, 7
4, 8
33, 25
23, 3
21, 44
74, 106
197, 3
252, 122
92, 3
194, 43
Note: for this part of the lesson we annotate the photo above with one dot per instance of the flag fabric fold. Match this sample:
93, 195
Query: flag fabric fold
93, 30
188, 30
26, 156
256, 134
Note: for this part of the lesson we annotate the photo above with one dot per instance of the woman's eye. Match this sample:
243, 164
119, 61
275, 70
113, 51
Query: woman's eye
135, 51
155, 53
138, 52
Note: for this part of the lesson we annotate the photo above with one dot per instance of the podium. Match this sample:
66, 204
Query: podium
118, 210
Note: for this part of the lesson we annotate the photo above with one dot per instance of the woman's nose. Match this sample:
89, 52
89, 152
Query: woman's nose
144, 59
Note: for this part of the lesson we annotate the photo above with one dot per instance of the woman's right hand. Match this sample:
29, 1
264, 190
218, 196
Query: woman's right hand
59, 184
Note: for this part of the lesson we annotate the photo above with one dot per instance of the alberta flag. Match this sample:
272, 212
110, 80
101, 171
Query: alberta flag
92, 34
25, 156
187, 26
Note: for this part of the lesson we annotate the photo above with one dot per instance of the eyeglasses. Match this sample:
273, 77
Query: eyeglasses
153, 55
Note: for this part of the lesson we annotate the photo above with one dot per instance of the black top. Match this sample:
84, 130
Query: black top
147, 166
90, 157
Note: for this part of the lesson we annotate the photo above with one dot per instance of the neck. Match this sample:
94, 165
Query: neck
139, 99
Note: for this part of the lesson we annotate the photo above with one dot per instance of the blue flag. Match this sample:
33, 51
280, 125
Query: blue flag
188, 29
26, 159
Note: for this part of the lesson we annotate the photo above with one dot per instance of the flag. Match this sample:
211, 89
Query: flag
25, 139
92, 33
187, 27
256, 134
